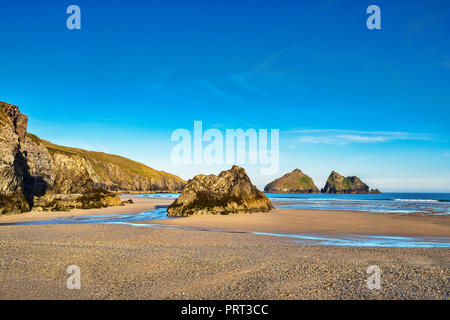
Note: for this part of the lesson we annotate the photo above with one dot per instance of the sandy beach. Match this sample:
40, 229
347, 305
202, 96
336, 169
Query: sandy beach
127, 262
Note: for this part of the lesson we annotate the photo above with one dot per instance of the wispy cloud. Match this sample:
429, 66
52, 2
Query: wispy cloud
208, 85
335, 136
267, 61
240, 80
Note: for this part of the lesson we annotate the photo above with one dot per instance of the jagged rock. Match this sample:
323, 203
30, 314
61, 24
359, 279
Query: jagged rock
12, 204
293, 182
18, 120
31, 168
41, 175
340, 184
229, 192
12, 163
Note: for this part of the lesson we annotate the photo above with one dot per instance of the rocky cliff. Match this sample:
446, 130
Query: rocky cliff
340, 184
293, 182
229, 192
31, 168
12, 162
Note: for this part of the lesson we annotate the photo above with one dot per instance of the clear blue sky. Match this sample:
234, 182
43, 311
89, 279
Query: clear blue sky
372, 103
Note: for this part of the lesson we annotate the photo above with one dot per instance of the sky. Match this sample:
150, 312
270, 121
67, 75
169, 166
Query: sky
371, 103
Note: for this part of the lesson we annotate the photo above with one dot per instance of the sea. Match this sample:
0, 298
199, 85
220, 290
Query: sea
399, 203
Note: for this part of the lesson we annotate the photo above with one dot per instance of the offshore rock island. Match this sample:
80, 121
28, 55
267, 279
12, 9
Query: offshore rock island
298, 182
340, 184
293, 182
37, 174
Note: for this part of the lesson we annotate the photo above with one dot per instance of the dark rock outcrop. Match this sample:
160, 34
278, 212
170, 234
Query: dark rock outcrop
293, 182
229, 192
340, 184
65, 202
31, 168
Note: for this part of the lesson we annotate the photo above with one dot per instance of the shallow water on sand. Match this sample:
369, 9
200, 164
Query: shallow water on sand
137, 220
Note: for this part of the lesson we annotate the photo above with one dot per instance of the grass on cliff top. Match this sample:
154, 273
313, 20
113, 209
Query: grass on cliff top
34, 138
95, 158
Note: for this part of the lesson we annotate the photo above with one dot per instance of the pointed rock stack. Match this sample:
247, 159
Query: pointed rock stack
340, 184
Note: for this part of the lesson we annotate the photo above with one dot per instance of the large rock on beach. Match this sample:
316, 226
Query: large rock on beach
230, 192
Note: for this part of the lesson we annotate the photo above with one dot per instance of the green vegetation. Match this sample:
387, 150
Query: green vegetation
347, 183
303, 182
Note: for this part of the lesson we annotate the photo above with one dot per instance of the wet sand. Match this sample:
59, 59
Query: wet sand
295, 221
126, 262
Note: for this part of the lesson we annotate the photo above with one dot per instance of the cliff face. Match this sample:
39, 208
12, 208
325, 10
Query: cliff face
293, 182
340, 184
12, 163
31, 168
229, 192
